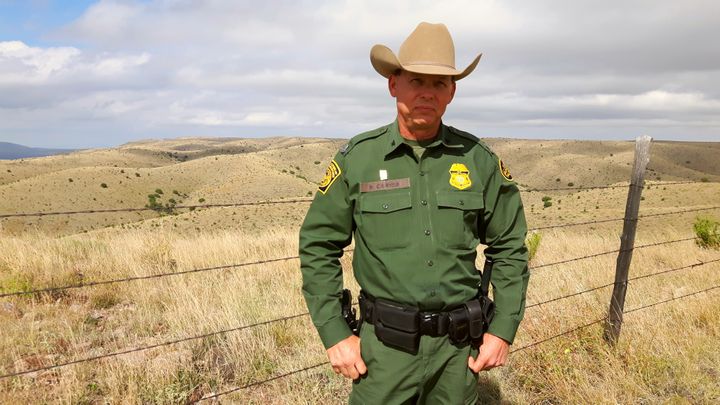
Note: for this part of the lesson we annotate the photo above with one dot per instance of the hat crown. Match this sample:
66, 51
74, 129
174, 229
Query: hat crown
428, 44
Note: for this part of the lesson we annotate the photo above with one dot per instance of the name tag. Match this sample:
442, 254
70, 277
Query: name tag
384, 185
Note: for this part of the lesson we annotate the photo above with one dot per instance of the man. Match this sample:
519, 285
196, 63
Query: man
418, 197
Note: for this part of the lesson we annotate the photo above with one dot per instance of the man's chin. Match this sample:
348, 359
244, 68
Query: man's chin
422, 123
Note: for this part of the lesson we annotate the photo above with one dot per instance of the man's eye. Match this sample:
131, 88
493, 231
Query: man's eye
440, 84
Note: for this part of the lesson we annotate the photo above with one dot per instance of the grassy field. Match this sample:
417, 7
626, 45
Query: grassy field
666, 353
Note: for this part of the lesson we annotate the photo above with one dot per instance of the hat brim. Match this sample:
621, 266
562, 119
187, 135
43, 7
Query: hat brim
386, 63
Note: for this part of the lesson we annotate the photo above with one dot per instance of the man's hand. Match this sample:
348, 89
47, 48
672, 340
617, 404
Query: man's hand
345, 358
493, 353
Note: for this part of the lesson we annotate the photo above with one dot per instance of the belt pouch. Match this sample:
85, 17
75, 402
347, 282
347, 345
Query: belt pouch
476, 319
397, 326
458, 325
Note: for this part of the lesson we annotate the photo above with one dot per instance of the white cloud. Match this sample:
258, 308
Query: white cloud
173, 67
113, 66
22, 63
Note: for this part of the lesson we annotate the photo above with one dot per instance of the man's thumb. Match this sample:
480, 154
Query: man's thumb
361, 367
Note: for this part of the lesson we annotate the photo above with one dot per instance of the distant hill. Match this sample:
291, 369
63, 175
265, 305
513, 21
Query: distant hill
14, 151
189, 171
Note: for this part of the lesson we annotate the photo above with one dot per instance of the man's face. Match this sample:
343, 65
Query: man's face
421, 99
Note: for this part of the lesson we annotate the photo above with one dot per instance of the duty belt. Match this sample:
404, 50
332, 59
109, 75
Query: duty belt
400, 326
434, 324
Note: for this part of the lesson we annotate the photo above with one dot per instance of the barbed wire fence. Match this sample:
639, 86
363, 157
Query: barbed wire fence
229, 267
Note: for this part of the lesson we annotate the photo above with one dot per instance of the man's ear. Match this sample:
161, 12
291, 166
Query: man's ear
452, 91
392, 83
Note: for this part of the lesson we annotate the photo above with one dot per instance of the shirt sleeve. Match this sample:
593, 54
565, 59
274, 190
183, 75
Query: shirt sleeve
503, 231
327, 229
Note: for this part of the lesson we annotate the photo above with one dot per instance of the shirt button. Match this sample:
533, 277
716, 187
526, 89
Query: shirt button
427, 232
430, 263
385, 206
422, 173
462, 202
423, 202
432, 293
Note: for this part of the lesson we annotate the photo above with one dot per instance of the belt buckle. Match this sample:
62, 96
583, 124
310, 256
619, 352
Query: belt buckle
429, 323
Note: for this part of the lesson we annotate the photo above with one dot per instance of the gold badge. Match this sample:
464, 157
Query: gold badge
331, 173
504, 170
460, 176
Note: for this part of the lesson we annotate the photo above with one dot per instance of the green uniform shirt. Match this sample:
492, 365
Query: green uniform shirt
416, 224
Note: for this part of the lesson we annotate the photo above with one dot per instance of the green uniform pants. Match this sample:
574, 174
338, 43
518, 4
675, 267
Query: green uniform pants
437, 374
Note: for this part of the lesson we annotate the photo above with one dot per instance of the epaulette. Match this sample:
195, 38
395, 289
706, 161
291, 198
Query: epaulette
473, 138
362, 137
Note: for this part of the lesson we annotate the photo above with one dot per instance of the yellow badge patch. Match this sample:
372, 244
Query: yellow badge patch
504, 170
331, 173
460, 176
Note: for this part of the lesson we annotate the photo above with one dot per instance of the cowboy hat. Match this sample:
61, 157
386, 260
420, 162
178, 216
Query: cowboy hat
429, 49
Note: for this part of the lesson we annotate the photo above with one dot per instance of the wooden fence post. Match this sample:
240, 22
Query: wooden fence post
627, 240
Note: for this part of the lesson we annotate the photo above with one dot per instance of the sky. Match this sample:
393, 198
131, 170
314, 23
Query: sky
79, 74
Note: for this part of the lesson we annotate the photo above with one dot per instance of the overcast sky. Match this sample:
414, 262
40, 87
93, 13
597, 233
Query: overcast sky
101, 73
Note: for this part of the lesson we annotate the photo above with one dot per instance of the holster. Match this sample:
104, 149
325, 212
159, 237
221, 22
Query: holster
472, 320
348, 312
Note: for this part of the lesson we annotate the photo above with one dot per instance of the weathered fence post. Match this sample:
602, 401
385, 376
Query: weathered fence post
627, 240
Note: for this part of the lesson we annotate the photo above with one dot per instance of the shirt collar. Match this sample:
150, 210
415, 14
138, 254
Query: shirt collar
394, 140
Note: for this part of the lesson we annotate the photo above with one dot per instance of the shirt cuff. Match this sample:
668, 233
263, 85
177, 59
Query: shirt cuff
335, 330
504, 328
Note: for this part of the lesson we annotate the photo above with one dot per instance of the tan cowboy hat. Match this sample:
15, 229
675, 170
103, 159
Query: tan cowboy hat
429, 49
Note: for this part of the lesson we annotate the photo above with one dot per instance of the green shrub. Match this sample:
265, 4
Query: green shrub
103, 185
547, 203
704, 180
533, 242
546, 198
706, 230
571, 184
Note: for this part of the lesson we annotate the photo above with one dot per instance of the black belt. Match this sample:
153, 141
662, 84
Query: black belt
433, 324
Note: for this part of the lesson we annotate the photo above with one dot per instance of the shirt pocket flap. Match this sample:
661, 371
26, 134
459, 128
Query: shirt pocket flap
383, 203
462, 200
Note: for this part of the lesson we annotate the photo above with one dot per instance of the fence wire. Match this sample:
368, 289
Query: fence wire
143, 348
286, 318
533, 268
225, 267
581, 188
600, 221
528, 346
112, 210
137, 278
690, 266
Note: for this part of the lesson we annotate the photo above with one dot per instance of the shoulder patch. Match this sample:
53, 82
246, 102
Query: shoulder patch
504, 170
345, 148
331, 174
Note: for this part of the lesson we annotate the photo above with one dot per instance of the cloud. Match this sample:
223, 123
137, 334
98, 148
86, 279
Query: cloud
178, 67
24, 64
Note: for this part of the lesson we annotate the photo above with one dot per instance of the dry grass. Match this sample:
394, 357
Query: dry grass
664, 352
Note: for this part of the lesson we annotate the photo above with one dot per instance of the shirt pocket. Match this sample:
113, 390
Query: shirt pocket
457, 217
385, 219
